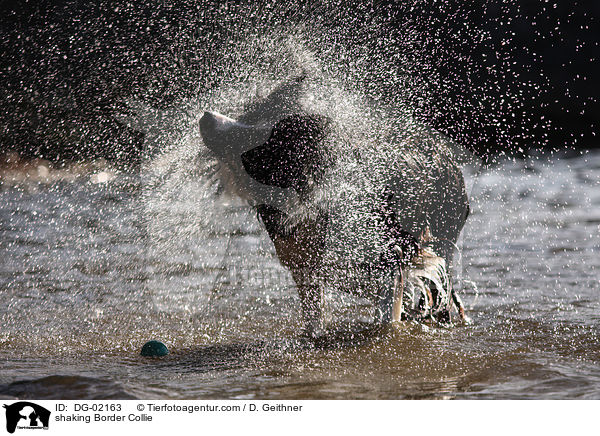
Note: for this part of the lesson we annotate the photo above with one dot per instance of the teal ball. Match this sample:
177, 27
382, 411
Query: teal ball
154, 349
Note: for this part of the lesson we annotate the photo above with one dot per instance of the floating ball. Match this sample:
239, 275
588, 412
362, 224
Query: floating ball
154, 349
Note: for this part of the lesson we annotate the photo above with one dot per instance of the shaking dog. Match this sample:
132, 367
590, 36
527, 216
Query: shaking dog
280, 155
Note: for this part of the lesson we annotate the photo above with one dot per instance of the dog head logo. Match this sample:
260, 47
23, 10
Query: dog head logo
24, 414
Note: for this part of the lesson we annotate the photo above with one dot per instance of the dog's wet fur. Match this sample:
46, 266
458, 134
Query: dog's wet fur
295, 155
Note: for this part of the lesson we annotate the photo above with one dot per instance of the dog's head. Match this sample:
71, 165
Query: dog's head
291, 154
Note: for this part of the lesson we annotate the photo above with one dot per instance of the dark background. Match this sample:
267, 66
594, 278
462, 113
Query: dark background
500, 77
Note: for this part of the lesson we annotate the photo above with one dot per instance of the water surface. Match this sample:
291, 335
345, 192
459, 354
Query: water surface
92, 266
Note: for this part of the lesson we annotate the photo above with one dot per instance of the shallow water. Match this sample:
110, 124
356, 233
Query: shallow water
91, 269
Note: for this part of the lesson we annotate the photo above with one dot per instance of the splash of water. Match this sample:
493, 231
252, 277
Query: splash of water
375, 144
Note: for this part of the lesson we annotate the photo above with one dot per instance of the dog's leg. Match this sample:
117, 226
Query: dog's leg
311, 301
390, 301
301, 249
397, 308
385, 298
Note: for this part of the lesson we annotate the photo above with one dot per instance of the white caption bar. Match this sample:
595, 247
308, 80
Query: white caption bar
23, 417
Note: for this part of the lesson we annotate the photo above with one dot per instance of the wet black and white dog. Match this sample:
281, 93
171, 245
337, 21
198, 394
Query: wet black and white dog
277, 154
